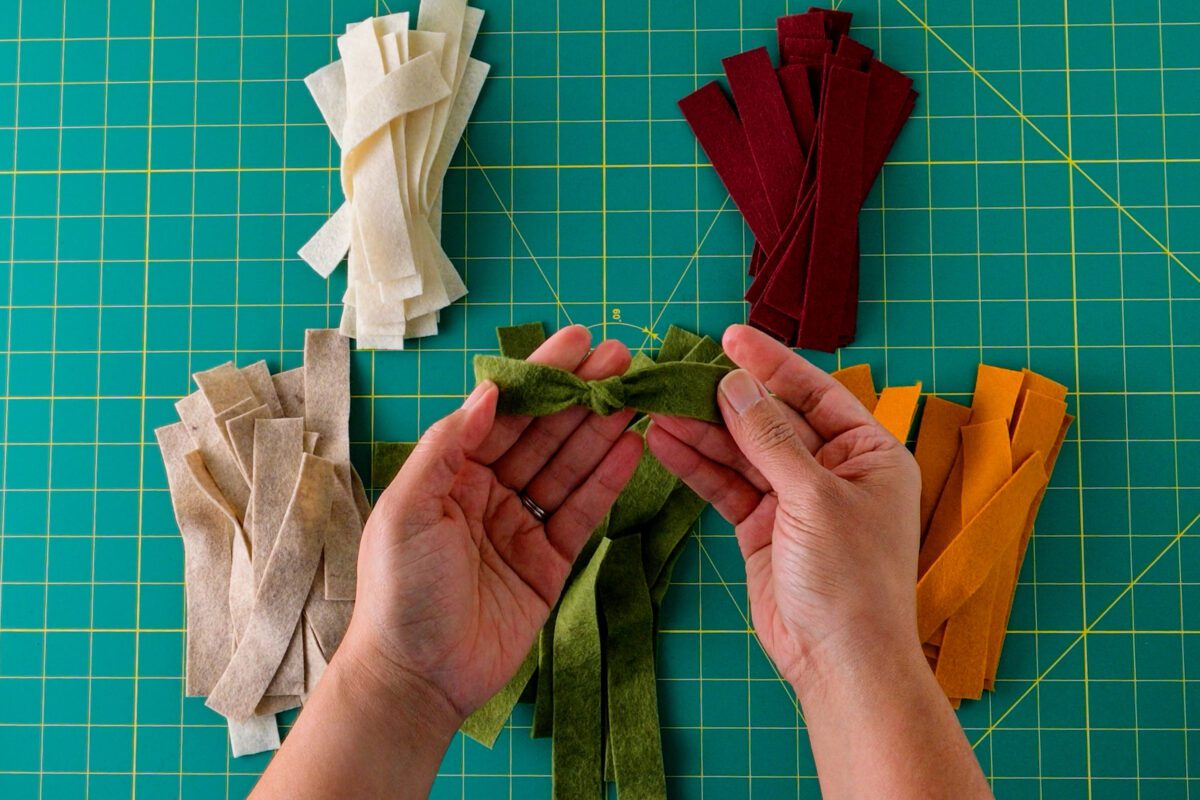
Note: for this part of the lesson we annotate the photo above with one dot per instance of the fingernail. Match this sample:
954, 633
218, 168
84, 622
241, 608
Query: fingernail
476, 393
742, 390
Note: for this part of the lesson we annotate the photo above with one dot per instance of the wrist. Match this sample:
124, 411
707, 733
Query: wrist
377, 688
856, 657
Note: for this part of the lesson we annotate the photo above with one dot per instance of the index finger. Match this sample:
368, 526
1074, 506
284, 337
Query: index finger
824, 403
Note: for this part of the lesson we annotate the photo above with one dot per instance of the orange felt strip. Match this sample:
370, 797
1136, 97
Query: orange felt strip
860, 383
896, 407
963, 568
1033, 382
996, 391
937, 446
962, 659
946, 521
987, 464
1041, 426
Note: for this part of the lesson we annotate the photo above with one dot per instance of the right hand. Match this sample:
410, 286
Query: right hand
824, 502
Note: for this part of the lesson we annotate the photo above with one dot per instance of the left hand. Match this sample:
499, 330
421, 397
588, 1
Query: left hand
455, 575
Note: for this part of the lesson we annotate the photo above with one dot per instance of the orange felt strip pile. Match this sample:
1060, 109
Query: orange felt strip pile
984, 470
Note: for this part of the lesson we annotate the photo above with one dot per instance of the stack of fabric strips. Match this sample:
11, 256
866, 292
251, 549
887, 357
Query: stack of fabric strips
984, 470
397, 103
271, 512
798, 158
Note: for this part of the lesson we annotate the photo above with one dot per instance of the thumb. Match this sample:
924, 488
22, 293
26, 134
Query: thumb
762, 431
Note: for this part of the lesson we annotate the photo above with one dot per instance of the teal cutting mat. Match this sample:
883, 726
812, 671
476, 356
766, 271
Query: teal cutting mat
160, 163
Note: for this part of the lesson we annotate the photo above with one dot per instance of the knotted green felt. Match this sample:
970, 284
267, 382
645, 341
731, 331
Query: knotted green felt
677, 388
676, 344
634, 738
578, 715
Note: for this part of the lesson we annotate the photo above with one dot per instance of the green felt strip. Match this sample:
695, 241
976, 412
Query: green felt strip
676, 344
704, 350
643, 495
519, 341
578, 768
640, 361
635, 741
386, 460
678, 388
724, 361
486, 722
669, 527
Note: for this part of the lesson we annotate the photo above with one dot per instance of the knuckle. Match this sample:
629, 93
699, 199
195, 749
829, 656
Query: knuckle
768, 431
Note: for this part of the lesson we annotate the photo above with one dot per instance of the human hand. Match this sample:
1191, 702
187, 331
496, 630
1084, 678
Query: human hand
824, 502
455, 575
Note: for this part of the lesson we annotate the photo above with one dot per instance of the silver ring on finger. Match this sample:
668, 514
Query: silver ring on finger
533, 508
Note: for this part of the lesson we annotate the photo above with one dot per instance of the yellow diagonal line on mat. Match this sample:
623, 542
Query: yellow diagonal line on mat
1054, 145
1126, 590
517, 231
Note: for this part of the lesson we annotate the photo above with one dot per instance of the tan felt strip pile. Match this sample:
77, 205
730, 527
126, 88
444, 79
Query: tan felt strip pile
271, 512
397, 103
983, 472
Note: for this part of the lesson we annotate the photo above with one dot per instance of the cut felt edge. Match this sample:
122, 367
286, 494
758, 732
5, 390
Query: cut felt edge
896, 408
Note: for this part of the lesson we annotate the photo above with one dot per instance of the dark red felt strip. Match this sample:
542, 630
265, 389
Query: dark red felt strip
757, 257
855, 51
837, 23
807, 25
781, 302
835, 224
798, 48
797, 91
717, 129
889, 99
768, 129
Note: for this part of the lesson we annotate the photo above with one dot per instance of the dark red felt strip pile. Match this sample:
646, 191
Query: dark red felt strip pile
798, 156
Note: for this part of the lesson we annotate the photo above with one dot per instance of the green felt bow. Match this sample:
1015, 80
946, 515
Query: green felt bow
685, 389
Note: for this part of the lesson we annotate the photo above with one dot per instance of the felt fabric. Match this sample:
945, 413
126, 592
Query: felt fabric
682, 389
964, 566
797, 92
387, 459
519, 341
860, 383
281, 595
485, 723
239, 431
289, 388
996, 391
937, 448
207, 546
835, 221
255, 734
197, 416
676, 344
770, 135
896, 408
629, 668
578, 714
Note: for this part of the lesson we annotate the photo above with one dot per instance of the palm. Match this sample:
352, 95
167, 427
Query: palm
457, 576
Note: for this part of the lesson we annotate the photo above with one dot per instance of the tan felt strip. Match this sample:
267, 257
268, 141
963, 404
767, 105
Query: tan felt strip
258, 375
236, 410
361, 501
314, 660
281, 595
193, 410
239, 431
206, 534
278, 450
223, 386
327, 618
289, 678
289, 386
342, 537
275, 703
327, 392
310, 442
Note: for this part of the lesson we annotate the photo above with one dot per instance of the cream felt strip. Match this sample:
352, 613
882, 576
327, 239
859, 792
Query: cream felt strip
195, 413
327, 618
370, 184
446, 16
256, 734
281, 595
240, 432
424, 325
207, 538
391, 23
278, 451
374, 341
419, 123
347, 326
258, 375
289, 385
328, 89
407, 87
223, 386
464, 103
443, 124
342, 537
327, 392
328, 246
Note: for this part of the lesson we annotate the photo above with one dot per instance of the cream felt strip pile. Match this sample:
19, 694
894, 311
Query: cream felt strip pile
271, 512
397, 103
